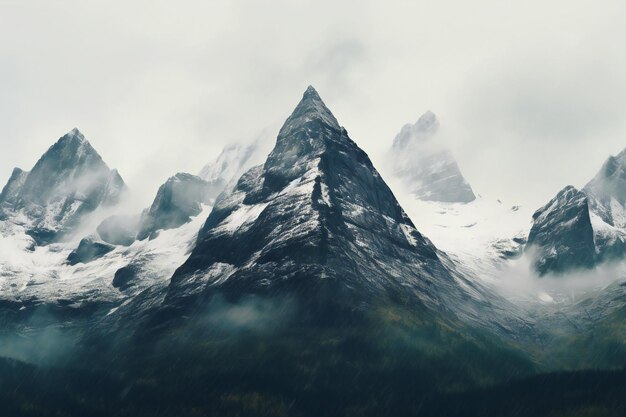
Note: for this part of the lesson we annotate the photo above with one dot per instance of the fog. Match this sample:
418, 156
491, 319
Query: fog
43, 340
530, 95
519, 282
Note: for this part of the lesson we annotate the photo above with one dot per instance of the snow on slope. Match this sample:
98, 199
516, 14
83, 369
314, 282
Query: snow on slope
481, 235
34, 274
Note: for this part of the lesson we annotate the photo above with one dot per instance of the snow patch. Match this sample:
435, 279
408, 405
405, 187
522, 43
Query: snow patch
406, 229
241, 216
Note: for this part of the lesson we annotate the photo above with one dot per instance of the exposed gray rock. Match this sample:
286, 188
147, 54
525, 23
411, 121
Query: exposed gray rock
179, 199
562, 236
88, 250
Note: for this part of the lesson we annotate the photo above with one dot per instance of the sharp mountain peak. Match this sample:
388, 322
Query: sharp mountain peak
311, 109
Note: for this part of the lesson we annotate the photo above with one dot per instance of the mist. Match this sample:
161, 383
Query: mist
40, 339
529, 95
520, 282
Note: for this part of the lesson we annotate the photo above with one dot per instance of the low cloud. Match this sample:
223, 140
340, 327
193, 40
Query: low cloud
518, 281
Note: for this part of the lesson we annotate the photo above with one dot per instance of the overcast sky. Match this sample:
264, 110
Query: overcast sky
531, 95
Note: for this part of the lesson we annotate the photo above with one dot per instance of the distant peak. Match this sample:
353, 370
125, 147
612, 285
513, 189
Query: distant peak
71, 147
423, 130
427, 122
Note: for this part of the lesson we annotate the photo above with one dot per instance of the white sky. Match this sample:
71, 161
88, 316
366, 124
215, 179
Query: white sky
531, 95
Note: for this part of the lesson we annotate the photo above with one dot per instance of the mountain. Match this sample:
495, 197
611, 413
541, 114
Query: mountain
562, 234
318, 222
583, 228
307, 274
306, 290
427, 168
68, 182
176, 202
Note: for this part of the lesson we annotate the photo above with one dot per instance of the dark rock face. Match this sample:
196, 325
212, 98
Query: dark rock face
563, 227
316, 220
69, 181
562, 234
177, 200
426, 167
125, 276
88, 250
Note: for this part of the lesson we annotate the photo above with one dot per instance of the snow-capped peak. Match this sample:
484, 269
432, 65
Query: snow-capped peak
68, 181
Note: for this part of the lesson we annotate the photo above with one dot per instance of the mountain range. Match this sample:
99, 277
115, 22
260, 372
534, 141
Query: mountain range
300, 285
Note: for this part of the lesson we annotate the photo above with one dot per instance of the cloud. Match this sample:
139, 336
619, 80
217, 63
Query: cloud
159, 87
518, 281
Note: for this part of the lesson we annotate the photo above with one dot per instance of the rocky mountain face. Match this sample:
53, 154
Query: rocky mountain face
427, 168
562, 233
583, 228
176, 202
68, 182
316, 221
